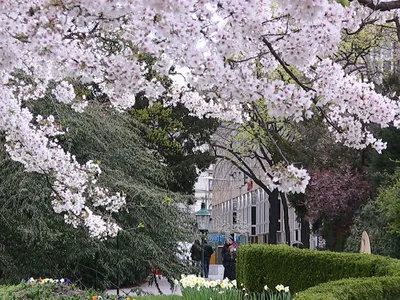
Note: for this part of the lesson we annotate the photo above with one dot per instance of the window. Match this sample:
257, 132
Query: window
253, 240
253, 215
266, 238
210, 184
253, 198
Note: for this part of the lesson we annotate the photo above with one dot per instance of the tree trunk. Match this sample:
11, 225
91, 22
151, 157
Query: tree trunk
286, 218
274, 214
305, 233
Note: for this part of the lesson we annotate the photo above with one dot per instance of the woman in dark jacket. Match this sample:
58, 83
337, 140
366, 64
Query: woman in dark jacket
229, 262
225, 248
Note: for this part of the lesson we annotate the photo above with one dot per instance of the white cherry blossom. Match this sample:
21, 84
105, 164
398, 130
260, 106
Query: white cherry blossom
233, 51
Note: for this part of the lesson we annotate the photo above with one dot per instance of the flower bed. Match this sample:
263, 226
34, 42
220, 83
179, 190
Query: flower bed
44, 289
197, 288
192, 287
62, 289
41, 280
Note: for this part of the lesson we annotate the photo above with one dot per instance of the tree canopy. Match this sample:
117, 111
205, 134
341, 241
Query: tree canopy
179, 140
220, 56
37, 242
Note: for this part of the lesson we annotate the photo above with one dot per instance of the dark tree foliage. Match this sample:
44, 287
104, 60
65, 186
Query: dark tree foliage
388, 202
332, 198
176, 137
375, 223
374, 216
382, 165
36, 241
388, 161
335, 193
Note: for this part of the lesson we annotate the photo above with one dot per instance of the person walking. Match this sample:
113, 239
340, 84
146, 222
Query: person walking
195, 254
229, 263
208, 251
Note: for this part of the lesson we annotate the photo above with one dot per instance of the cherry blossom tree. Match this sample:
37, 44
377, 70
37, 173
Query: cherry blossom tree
226, 53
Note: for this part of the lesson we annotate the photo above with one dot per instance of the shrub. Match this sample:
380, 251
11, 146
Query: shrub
43, 292
260, 265
53, 291
375, 288
160, 297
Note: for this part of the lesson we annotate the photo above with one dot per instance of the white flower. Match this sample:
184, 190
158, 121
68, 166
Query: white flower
52, 61
280, 287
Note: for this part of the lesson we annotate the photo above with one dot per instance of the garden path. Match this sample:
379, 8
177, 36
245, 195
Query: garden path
162, 283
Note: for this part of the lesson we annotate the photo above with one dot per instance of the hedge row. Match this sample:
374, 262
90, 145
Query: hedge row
375, 288
260, 265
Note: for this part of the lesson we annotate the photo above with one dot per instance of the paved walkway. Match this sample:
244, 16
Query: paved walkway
216, 272
146, 289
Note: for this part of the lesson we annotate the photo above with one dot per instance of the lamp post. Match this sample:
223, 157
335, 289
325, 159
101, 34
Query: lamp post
118, 264
203, 219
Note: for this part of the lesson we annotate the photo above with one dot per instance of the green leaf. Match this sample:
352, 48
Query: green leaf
168, 199
345, 3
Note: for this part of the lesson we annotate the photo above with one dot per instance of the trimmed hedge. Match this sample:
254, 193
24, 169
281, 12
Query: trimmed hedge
300, 269
375, 288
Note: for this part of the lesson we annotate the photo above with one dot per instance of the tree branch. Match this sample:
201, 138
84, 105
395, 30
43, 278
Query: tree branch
302, 85
270, 136
285, 66
381, 6
397, 22
245, 168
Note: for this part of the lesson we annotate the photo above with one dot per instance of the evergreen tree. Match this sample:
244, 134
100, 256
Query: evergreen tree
37, 242
375, 223
178, 140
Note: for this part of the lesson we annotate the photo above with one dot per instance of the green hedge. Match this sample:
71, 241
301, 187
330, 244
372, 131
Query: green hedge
300, 269
375, 288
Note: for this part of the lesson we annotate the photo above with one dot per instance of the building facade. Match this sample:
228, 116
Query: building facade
203, 190
241, 207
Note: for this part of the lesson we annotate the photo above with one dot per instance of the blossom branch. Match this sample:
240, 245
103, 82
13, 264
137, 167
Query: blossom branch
380, 5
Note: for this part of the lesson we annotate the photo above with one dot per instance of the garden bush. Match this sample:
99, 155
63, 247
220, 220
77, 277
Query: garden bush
53, 291
375, 288
260, 265
160, 297
46, 291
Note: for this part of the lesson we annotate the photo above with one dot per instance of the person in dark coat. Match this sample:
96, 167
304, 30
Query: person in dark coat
208, 251
229, 262
225, 248
195, 254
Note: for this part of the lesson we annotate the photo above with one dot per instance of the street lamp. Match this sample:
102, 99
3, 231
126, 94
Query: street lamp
203, 220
